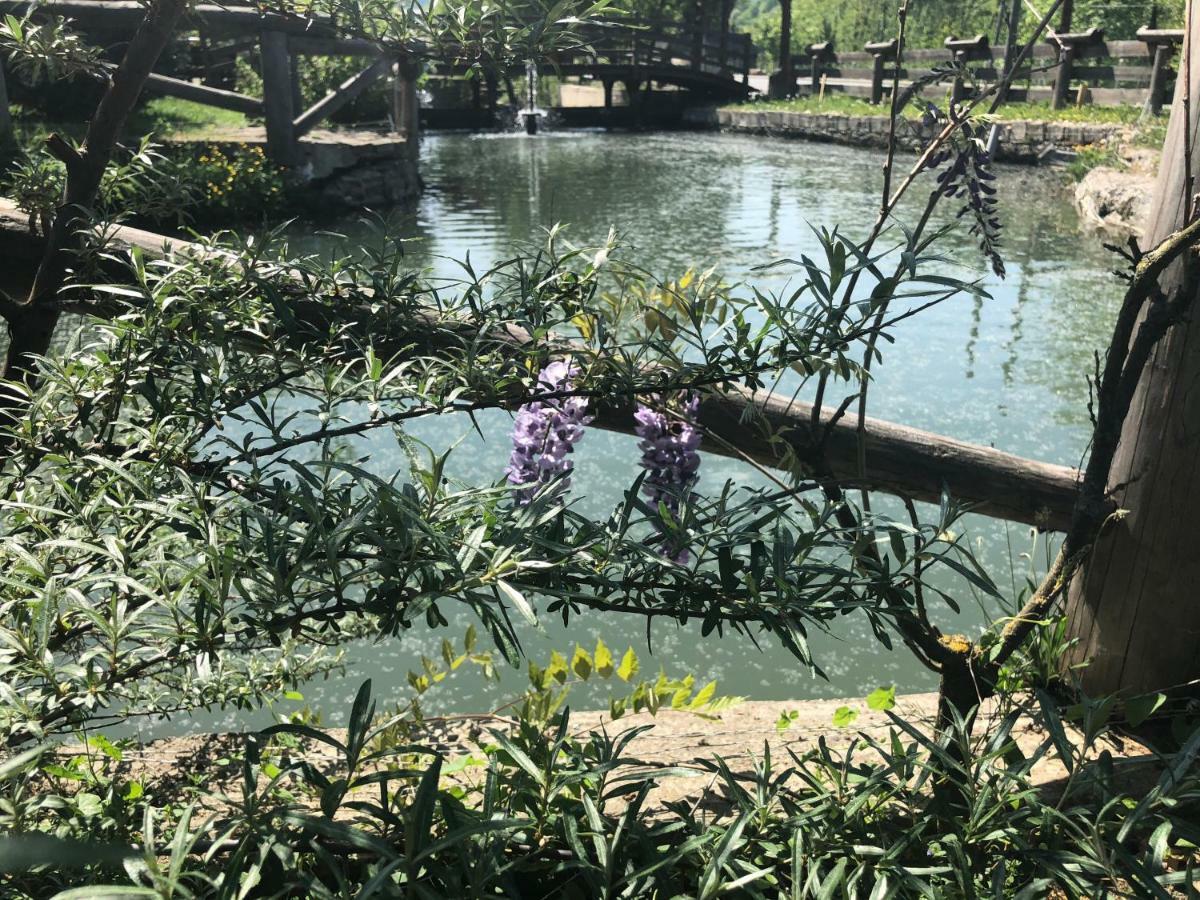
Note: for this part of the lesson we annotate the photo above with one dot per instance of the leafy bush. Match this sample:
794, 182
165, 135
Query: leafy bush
164, 187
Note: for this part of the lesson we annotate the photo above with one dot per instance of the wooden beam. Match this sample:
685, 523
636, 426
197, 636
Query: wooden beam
335, 46
340, 96
127, 13
209, 96
899, 459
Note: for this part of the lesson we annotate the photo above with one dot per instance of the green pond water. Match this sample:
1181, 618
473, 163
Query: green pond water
1008, 371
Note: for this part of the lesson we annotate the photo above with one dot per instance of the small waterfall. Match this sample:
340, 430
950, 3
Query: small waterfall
530, 116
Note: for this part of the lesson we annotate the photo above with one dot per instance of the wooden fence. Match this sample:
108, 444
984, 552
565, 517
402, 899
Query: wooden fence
1081, 67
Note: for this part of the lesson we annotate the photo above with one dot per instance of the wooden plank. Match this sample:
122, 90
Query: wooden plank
340, 96
209, 96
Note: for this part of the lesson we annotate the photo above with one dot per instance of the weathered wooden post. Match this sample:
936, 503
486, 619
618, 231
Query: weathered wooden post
723, 47
1062, 75
881, 52
277, 98
963, 50
294, 80
782, 83
406, 111
608, 93
6, 129
1162, 44
1010, 43
817, 56
1070, 45
1134, 607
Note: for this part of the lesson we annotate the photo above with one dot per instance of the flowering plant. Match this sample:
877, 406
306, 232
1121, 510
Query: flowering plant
545, 434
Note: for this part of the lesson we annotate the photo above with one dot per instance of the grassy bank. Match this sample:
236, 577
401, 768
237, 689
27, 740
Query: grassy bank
840, 104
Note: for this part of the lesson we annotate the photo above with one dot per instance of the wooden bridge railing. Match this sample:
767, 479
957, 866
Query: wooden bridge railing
665, 47
1101, 71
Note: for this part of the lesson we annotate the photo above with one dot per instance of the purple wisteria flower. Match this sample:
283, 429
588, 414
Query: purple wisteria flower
669, 445
545, 433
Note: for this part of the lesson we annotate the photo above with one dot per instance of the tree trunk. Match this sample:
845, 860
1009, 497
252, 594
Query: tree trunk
1134, 606
32, 323
783, 82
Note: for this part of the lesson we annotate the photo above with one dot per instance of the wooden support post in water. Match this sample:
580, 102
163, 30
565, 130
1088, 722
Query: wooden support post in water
406, 111
608, 93
1133, 608
277, 99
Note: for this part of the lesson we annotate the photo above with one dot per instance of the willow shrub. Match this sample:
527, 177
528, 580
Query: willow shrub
190, 520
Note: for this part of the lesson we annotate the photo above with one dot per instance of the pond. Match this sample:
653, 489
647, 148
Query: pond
1010, 370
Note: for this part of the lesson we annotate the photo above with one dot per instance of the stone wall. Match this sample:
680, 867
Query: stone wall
1019, 141
351, 170
341, 170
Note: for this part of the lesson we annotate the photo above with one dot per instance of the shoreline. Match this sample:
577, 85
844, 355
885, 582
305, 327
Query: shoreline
1021, 141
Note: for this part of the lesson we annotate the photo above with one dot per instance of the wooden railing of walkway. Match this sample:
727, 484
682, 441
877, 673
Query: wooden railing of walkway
1081, 67
637, 51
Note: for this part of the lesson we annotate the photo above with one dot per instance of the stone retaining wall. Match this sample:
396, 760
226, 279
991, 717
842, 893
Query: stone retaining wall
1020, 141
341, 170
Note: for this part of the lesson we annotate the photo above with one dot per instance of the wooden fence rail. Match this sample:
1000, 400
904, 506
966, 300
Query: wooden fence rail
1084, 65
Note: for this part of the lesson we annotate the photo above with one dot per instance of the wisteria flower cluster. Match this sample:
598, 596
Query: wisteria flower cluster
669, 445
969, 177
545, 433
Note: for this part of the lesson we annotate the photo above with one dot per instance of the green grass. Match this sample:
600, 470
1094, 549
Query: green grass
170, 115
1037, 112
161, 116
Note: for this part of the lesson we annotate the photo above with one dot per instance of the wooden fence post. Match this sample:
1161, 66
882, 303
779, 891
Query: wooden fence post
1062, 76
881, 52
1163, 44
818, 54
277, 99
963, 50
1158, 78
1133, 609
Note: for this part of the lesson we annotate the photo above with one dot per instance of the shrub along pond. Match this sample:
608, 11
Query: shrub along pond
1008, 371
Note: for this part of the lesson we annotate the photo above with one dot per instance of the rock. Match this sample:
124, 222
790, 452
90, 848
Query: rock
1115, 199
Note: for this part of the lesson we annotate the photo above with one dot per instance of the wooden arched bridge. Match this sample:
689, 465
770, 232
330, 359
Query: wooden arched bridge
711, 64
639, 52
